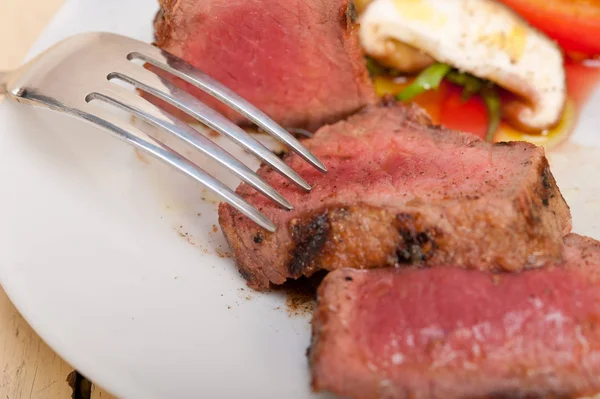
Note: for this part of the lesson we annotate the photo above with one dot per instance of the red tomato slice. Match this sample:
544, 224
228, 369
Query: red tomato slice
467, 116
574, 24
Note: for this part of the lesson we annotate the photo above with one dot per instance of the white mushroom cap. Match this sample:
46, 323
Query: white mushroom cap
481, 37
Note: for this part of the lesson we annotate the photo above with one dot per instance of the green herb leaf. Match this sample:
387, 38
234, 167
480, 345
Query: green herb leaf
492, 101
428, 79
431, 78
374, 68
471, 84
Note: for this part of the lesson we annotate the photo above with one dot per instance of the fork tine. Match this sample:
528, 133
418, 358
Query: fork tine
199, 79
149, 82
143, 141
136, 105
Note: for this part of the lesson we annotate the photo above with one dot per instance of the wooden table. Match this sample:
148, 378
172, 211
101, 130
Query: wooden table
28, 367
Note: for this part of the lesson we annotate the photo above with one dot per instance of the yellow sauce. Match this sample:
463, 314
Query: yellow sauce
548, 138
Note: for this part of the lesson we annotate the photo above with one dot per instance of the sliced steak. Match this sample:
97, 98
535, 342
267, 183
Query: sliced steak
454, 333
400, 191
299, 61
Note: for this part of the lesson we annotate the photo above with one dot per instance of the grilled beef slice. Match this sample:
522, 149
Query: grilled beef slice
454, 333
299, 61
399, 192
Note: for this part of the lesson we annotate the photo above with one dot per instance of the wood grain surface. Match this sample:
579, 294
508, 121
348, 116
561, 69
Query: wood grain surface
28, 367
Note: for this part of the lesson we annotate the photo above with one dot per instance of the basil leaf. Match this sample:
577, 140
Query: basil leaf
428, 79
471, 84
493, 105
374, 68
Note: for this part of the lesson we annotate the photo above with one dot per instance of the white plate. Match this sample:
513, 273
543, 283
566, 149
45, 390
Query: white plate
114, 262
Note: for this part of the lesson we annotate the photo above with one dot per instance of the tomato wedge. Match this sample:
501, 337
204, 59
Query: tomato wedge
574, 24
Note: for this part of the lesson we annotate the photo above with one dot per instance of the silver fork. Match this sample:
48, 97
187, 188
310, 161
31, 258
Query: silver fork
77, 73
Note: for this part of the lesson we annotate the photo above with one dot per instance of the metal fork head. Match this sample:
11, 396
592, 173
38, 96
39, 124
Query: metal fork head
78, 72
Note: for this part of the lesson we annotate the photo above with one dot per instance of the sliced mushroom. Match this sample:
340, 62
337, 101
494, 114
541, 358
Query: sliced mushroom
403, 57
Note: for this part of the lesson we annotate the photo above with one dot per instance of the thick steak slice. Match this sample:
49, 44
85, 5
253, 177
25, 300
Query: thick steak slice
299, 61
453, 333
400, 191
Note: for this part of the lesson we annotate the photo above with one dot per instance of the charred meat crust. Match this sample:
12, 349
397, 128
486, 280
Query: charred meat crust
365, 237
309, 239
357, 236
418, 243
162, 30
350, 15
549, 188
397, 239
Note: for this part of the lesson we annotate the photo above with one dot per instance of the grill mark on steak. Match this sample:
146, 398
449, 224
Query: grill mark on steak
335, 236
506, 143
351, 15
403, 239
548, 184
258, 238
418, 243
246, 275
309, 239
